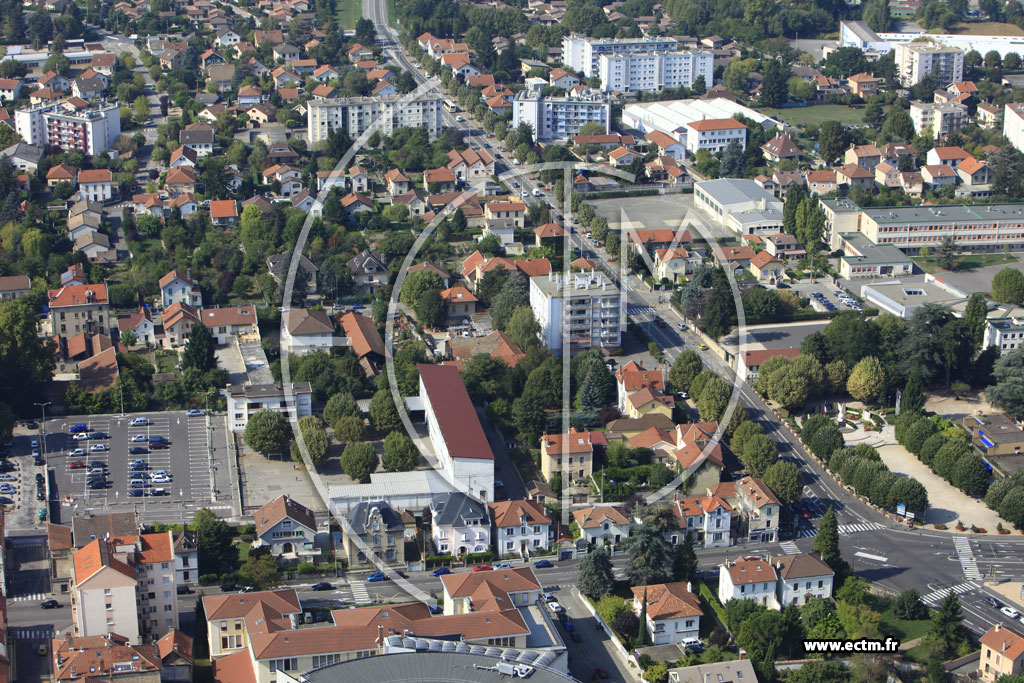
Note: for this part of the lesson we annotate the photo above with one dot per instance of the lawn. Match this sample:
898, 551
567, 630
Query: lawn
902, 629
987, 28
966, 262
348, 13
817, 114
166, 361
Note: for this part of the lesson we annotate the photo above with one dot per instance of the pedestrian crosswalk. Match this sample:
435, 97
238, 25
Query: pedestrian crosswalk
966, 556
32, 597
34, 633
360, 595
790, 548
847, 529
937, 596
636, 309
807, 532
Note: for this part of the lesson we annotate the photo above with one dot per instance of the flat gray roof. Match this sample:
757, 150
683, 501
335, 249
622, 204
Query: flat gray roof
871, 253
426, 667
947, 213
727, 191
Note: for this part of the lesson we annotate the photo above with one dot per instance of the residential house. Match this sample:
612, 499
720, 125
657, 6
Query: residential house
376, 527
633, 377
459, 525
758, 509
783, 246
515, 211
1002, 653
560, 78
950, 156
95, 246
570, 455
781, 147
288, 528
250, 95
672, 611
855, 175
224, 212
765, 266
14, 286
821, 181
183, 156
602, 525
521, 528
180, 180
200, 139
437, 180
471, 164
178, 319
735, 258
368, 271
667, 146
365, 340
974, 172
939, 175
748, 578
887, 174
863, 84
96, 185
397, 182
61, 173
459, 302
675, 264
140, 324
305, 331
801, 577
228, 322
186, 557
75, 309
358, 179
305, 276
110, 656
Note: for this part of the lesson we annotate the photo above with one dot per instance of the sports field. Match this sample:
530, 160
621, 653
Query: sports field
815, 115
348, 13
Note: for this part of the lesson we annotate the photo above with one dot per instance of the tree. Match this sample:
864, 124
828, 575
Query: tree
832, 140
826, 543
946, 253
743, 434
898, 125
260, 570
684, 561
315, 437
713, 399
867, 381
975, 317
594, 577
759, 453
430, 310
523, 328
783, 478
383, 413
199, 352
774, 87
1008, 286
213, 541
268, 432
733, 162
719, 308
349, 428
1007, 392
947, 631
684, 369
762, 636
359, 461
400, 453
911, 493
338, 406
908, 605
970, 475
649, 558
912, 399
657, 673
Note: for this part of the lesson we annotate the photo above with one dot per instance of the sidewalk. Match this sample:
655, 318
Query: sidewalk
1009, 591
955, 504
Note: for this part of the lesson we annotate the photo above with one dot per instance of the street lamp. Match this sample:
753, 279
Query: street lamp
42, 426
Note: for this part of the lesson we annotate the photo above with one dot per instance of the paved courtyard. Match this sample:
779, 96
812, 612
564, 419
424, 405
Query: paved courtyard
663, 211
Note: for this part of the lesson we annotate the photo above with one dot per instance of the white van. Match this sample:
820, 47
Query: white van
692, 644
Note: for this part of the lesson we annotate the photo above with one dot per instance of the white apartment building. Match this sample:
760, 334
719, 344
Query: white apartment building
582, 54
583, 307
521, 527
355, 115
1013, 124
561, 118
714, 135
1005, 333
459, 525
915, 61
748, 578
943, 119
125, 585
641, 71
245, 401
801, 577
92, 129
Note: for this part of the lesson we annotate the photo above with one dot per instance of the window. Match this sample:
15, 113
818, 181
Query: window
238, 624
164, 565
223, 626
510, 531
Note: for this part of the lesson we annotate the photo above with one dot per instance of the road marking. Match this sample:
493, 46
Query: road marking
847, 529
966, 557
937, 596
790, 548
359, 593
868, 556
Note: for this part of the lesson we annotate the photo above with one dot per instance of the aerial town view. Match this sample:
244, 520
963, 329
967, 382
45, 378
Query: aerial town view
360, 341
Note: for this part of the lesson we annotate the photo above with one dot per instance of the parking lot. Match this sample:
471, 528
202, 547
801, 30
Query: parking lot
186, 488
830, 299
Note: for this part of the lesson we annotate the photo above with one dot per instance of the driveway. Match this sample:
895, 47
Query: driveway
229, 359
595, 649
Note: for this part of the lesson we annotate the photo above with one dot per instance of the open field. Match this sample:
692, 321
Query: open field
987, 28
966, 262
348, 13
817, 114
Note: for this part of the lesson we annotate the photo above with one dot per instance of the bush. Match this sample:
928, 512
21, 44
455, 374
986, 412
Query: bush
209, 580
306, 568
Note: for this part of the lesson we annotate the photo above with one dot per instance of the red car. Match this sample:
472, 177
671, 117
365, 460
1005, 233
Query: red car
483, 568
76, 465
600, 673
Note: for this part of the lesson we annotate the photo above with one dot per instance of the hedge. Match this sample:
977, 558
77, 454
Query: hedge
705, 592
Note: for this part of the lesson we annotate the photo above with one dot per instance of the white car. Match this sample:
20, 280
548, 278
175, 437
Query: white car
159, 473
139, 421
1010, 612
503, 565
96, 447
460, 119
547, 597
77, 451
79, 437
554, 607
139, 437
161, 480
8, 477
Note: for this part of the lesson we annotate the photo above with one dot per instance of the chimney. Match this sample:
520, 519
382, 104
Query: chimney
689, 587
743, 655
294, 619
380, 635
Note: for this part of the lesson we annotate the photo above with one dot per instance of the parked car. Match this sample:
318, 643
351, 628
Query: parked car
322, 586
443, 571
80, 437
158, 446
99, 435
76, 465
184, 590
228, 588
138, 450
137, 493
195, 413
483, 568
158, 492
543, 564
139, 421
376, 577
503, 565
555, 607
139, 437
156, 438
98, 447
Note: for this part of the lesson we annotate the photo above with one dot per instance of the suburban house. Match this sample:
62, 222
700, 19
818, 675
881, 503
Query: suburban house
758, 510
459, 302
673, 612
602, 525
748, 578
177, 287
521, 527
305, 331
802, 577
96, 184
228, 322
376, 527
288, 528
459, 525
140, 324
570, 455
365, 340
368, 271
1002, 653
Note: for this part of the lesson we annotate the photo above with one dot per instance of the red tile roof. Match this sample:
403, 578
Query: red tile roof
454, 412
78, 295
